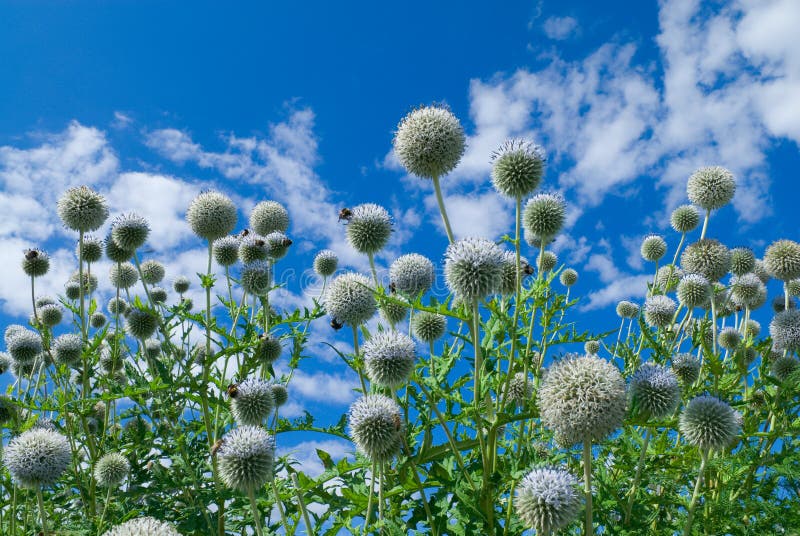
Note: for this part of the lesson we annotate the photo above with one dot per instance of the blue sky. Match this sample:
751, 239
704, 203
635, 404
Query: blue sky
151, 102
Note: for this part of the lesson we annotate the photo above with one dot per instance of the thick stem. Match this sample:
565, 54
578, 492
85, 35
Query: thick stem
369, 498
440, 201
254, 508
698, 483
705, 225
587, 485
355, 353
372, 267
105, 509
380, 494
279, 504
42, 513
517, 292
302, 503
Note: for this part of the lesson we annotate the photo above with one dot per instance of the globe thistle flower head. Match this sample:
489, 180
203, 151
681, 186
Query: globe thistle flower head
35, 262
130, 231
349, 299
708, 258
376, 427
517, 168
246, 458
92, 249
782, 260
746, 289
548, 261
591, 347
742, 261
685, 218
779, 304
429, 142
181, 284
111, 470
784, 330
268, 349
82, 209
123, 275
711, 187
708, 422
389, 358
729, 338
89, 281
141, 324
694, 290
369, 228
24, 345
473, 268
520, 389
211, 215
627, 309
761, 271
41, 301
654, 391
508, 277
784, 366
394, 312
793, 287
251, 401
152, 347
5, 362
653, 247
252, 248
279, 394
325, 263
412, 274
23, 370
110, 361
50, 314
427, 326
752, 328
548, 500
37, 458
97, 320
114, 252
158, 294
659, 310
152, 272
277, 245
544, 215
143, 526
268, 217
256, 278
568, 277
67, 348
117, 306
668, 277
226, 250
582, 399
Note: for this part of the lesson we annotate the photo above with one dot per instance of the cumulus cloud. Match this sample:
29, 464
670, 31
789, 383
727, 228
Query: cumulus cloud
560, 28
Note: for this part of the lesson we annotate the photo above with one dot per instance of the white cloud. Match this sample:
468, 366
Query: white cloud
305, 454
615, 286
560, 28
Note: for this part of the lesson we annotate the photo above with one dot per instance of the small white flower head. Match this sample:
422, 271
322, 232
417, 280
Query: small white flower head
654, 391
694, 290
376, 427
72, 290
279, 394
544, 216
473, 268
67, 349
349, 299
627, 309
114, 252
393, 312
256, 278
369, 228
685, 218
37, 458
277, 245
793, 287
782, 260
429, 142
707, 257
50, 314
97, 320
10, 330
268, 217
141, 324
251, 401
82, 209
35, 262
653, 247
658, 311
181, 284
325, 263
520, 389
41, 301
568, 277
109, 361
412, 274
117, 306
152, 272
761, 271
226, 250
389, 358
24, 345
5, 362
89, 281
123, 275
252, 248
130, 231
582, 399
752, 328
784, 330
428, 327
508, 279
668, 277
591, 347
111, 470
548, 261
517, 168
748, 291
784, 366
211, 215
152, 347
548, 500
742, 261
246, 458
92, 249
268, 349
708, 422
143, 526
711, 187
729, 338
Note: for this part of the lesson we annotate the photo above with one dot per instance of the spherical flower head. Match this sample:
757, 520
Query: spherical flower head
114, 252
246, 458
268, 217
376, 427
568, 277
97, 320
24, 345
10, 330
782, 260
117, 306
707, 257
251, 401
742, 261
37, 458
626, 309
5, 362
428, 327
694, 290
394, 312
252, 248
508, 278
109, 361
256, 278
141, 324
784, 366
517, 168
653, 247
429, 142
152, 347
325, 263
41, 301
779, 304
548, 500
268, 349
67, 348
130, 231
82, 209
123, 275
92, 249
181, 284
349, 299
211, 215
473, 268
72, 290
582, 399
793, 287
591, 347
747, 289
668, 277
729, 338
369, 228
658, 311
152, 272
279, 394
143, 526
711, 187
35, 262
412, 274
752, 328
544, 215
685, 218
50, 314
708, 422
89, 281
784, 330
548, 261
111, 470
389, 358
654, 391
277, 245
226, 250
520, 389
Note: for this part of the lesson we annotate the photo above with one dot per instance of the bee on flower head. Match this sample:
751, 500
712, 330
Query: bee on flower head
345, 214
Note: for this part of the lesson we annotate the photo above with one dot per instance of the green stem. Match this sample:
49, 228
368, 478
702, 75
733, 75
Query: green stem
254, 507
301, 503
639, 466
372, 267
105, 509
698, 483
517, 292
588, 528
279, 504
705, 225
42, 514
369, 498
355, 353
440, 200
380, 495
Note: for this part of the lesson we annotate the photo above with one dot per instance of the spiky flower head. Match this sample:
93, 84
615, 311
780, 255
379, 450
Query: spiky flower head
50, 314
389, 358
591, 347
708, 422
109, 360
117, 306
761, 271
211, 215
268, 217
752, 328
326, 262
779, 303
429, 141
252, 402
394, 312
349, 299
181, 284
784, 366
24, 345
668, 277
508, 278
152, 272
111, 470
568, 277
582, 399
143, 526
747, 289
517, 168
520, 389
742, 261
548, 499
376, 427
5, 362
711, 187
653, 247
658, 311
246, 458
473, 268
41, 301
694, 290
152, 347
654, 391
89, 281
82, 209
37, 457
784, 330
729, 338
685, 218
252, 248
411, 274
627, 309
369, 228
427, 326
256, 278
707, 257
123, 275
114, 252
782, 260
793, 287
226, 250
548, 261
268, 349
130, 231
141, 324
67, 348
277, 245
279, 394
97, 320
544, 215
92, 249
35, 262
10, 330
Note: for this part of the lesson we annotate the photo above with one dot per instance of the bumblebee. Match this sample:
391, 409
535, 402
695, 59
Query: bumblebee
527, 269
244, 233
31, 254
233, 390
335, 324
216, 447
397, 422
392, 287
345, 214
286, 242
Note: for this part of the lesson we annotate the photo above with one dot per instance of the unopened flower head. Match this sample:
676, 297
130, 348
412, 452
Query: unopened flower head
653, 247
279, 394
252, 248
152, 347
349, 299
256, 278
784, 366
508, 279
729, 338
473, 268
181, 284
130, 231
685, 218
544, 215
427, 326
389, 358
591, 347
429, 142
268, 217
111, 470
369, 228
784, 330
246, 458
117, 306
114, 252
747, 289
412, 274
97, 320
782, 260
517, 168
392, 311
35, 262
742, 261
211, 215
707, 257
92, 249
82, 209
708, 422
376, 427
50, 314
548, 261
654, 391
277, 245
24, 345
123, 275
152, 272
37, 458
325, 263
711, 187
568, 277
548, 499
252, 401
141, 324
143, 526
627, 309
268, 349
694, 290
226, 250
67, 348
658, 311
